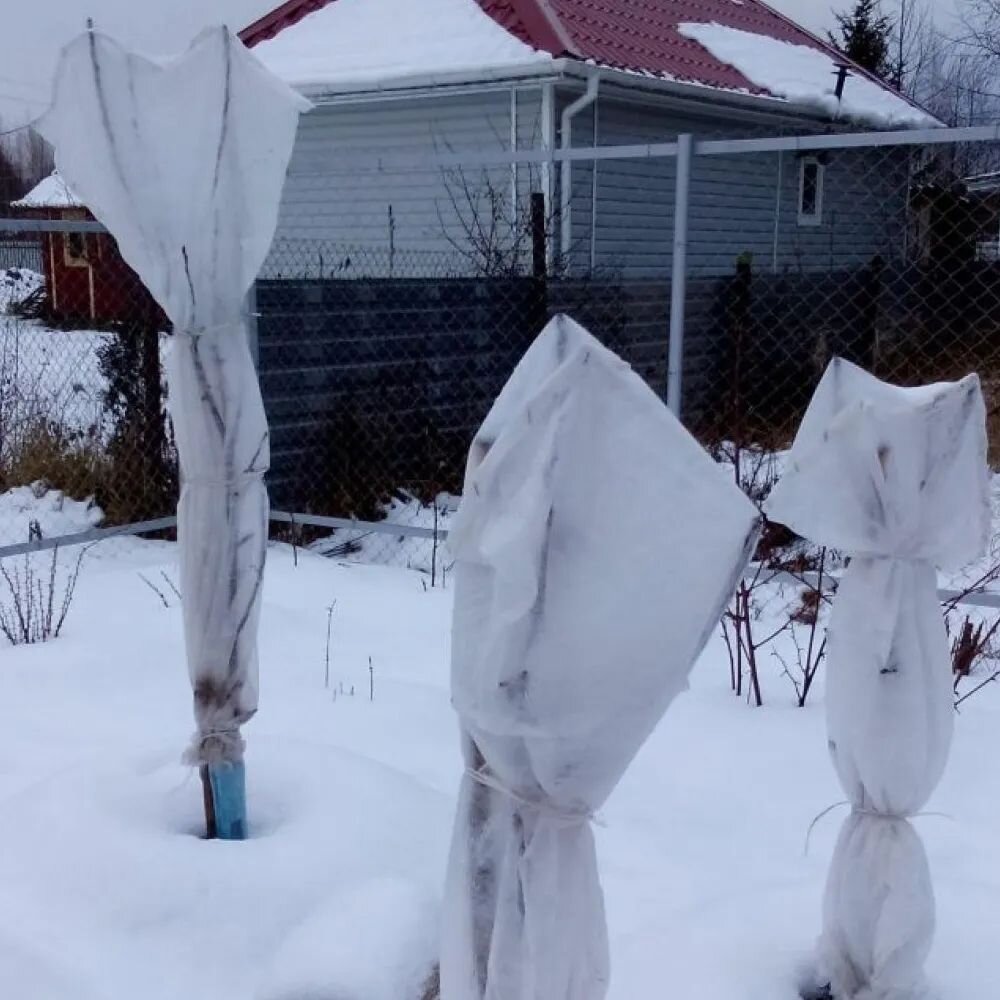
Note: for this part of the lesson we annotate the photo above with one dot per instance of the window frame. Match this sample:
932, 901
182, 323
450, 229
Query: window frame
814, 218
71, 259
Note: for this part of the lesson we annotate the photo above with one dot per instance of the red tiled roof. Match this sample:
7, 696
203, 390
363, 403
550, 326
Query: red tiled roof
642, 35
636, 35
282, 17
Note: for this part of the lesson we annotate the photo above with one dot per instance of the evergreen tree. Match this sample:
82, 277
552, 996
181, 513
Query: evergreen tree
864, 36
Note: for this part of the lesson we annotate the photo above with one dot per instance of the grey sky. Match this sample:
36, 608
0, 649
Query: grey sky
32, 31
817, 14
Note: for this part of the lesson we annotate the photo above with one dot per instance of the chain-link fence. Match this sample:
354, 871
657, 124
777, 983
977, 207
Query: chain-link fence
377, 362
727, 272
85, 443
884, 255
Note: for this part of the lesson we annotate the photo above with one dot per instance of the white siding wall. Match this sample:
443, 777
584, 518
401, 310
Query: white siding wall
338, 192
735, 205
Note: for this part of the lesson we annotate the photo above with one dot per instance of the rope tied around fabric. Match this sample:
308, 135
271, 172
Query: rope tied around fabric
543, 808
872, 813
215, 746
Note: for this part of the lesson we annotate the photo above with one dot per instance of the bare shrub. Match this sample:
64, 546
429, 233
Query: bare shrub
808, 635
760, 618
47, 451
36, 597
974, 637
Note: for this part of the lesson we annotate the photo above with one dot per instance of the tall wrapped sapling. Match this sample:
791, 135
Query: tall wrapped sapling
596, 546
896, 479
184, 161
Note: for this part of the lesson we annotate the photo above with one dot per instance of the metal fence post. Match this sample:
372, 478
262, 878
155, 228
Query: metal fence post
678, 281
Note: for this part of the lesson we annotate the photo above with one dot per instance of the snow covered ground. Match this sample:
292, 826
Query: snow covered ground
50, 374
26, 511
107, 892
16, 284
46, 374
428, 554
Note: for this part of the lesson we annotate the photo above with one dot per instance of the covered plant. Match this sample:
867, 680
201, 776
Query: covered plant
596, 546
896, 479
184, 162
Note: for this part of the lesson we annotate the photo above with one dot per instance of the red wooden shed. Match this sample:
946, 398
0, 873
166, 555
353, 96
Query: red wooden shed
85, 276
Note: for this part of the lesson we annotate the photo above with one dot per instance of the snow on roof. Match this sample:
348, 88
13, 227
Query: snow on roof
806, 76
368, 41
50, 193
384, 40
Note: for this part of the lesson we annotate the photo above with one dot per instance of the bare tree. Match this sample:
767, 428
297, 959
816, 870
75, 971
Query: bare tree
980, 21
912, 39
36, 155
496, 233
489, 217
25, 158
481, 224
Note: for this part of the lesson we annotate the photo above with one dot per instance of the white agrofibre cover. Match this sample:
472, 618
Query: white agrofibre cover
578, 616
897, 478
184, 162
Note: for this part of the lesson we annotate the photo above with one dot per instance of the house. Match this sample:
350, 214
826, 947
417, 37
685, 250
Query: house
391, 77
86, 279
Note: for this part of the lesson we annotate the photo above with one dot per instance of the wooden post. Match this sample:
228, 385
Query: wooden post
539, 267
206, 790
859, 344
538, 306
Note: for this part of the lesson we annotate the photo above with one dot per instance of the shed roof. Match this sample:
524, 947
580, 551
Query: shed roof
647, 37
49, 193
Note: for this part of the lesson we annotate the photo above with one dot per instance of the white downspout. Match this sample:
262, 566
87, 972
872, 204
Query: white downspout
593, 194
777, 211
548, 144
513, 166
566, 177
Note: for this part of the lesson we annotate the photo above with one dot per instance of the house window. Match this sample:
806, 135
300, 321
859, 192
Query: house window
75, 244
810, 192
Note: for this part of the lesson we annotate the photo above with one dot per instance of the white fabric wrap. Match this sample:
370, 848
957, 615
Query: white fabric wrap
596, 547
896, 478
184, 162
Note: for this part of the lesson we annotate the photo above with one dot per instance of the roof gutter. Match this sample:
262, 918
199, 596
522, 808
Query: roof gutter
424, 83
540, 71
566, 177
534, 72
711, 98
